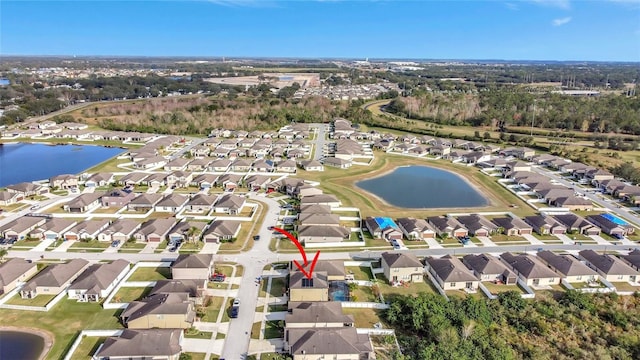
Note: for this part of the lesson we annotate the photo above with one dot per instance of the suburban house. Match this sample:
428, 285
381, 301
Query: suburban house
53, 279
119, 230
531, 270
14, 271
195, 288
319, 219
257, 182
571, 269
155, 180
144, 202
311, 165
8, 198
288, 166
65, 181
199, 164
576, 223
204, 181
416, 229
132, 178
545, 225
171, 203
229, 204
117, 198
154, 230
610, 267
221, 230
302, 288
447, 226
611, 225
478, 225
83, 203
402, 267
180, 179
86, 230
306, 190
487, 267
450, 274
52, 229
220, 165
161, 310
229, 181
337, 162
99, 179
192, 266
200, 203
326, 314
157, 344
512, 226
19, 228
25, 189
322, 234
383, 228
334, 268
176, 164
633, 259
98, 280
183, 231
325, 343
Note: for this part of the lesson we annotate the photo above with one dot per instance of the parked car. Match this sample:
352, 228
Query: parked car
256, 238
235, 308
218, 277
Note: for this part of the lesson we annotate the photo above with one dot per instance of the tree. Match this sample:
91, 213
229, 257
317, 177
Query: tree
3, 253
193, 234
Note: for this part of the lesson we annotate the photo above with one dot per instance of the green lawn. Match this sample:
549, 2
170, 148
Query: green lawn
273, 330
200, 356
151, 274
27, 243
224, 269
195, 334
64, 321
133, 245
212, 310
364, 318
278, 287
87, 347
40, 300
276, 308
362, 293
359, 273
93, 244
255, 330
496, 289
412, 289
624, 286
129, 294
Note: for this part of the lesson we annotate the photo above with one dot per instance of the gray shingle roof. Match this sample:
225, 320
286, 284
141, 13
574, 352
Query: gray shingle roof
142, 344
401, 260
607, 263
565, 264
98, 277
528, 266
450, 269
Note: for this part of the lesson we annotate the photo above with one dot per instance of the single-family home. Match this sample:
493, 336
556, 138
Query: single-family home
155, 180
84, 203
287, 166
610, 267
221, 230
144, 202
447, 226
512, 225
195, 288
633, 259
229, 181
171, 203
544, 225
576, 223
306, 289
402, 267
311, 165
132, 178
324, 199
154, 230
150, 162
314, 314
157, 344
19, 228
450, 274
64, 181
52, 229
119, 230
487, 267
176, 164
86, 230
25, 189
262, 165
257, 182
322, 234
14, 271
180, 178
117, 198
611, 225
220, 165
8, 198
53, 279
383, 228
187, 231
416, 229
192, 266
99, 179
204, 181
337, 162
326, 343
161, 310
531, 270
98, 280
478, 225
229, 204
571, 269
201, 203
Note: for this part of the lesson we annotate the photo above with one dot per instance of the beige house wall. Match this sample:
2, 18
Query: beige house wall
174, 321
12, 285
188, 274
309, 295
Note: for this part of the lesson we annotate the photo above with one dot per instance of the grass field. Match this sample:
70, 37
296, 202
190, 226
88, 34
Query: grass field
359, 273
88, 346
412, 289
93, 244
364, 318
211, 312
40, 300
150, 274
64, 321
128, 294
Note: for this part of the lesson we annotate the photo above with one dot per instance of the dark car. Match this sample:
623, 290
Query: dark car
218, 277
256, 238
270, 228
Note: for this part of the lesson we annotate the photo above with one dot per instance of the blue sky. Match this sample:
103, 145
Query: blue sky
598, 30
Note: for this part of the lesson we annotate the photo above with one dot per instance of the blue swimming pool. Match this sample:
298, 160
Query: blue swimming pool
614, 219
385, 222
338, 295
338, 291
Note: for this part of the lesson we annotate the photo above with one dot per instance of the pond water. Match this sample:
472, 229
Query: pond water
28, 162
422, 187
20, 345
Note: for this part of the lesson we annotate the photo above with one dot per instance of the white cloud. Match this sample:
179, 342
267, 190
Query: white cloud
561, 21
561, 4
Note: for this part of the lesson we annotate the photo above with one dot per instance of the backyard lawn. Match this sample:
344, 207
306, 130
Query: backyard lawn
151, 274
129, 294
359, 273
40, 300
411, 289
87, 347
364, 318
496, 289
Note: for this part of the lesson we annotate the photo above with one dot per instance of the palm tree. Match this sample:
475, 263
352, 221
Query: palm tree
193, 234
3, 253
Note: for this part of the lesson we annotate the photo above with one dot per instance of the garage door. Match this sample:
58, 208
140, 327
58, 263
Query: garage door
153, 238
525, 232
557, 231
71, 237
211, 239
482, 233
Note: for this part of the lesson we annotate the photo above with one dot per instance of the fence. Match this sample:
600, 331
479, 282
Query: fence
375, 331
107, 304
364, 305
85, 333
47, 307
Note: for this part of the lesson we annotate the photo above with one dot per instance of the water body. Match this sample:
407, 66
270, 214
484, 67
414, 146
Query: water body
28, 162
20, 345
423, 187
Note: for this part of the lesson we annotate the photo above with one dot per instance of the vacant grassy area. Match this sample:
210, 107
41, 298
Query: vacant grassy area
364, 318
64, 321
151, 274
40, 300
88, 346
128, 294
93, 244
359, 273
496, 289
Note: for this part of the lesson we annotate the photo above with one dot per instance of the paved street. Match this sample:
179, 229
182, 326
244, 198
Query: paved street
320, 140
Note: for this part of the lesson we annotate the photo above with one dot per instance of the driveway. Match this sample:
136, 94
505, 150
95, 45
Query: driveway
486, 241
532, 239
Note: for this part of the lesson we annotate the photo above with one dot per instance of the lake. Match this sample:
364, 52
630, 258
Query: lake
20, 345
423, 187
28, 162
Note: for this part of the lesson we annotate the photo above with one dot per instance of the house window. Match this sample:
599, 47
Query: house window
452, 284
307, 282
579, 278
620, 277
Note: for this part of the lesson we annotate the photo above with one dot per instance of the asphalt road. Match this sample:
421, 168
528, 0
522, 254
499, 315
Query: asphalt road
320, 140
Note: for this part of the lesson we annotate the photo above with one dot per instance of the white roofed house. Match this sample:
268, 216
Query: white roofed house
230, 204
221, 230
154, 230
97, 281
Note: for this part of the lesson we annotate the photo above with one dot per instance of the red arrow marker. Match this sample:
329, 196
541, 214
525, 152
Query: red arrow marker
295, 241
304, 255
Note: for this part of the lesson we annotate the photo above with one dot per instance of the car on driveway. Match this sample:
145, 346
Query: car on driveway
256, 238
